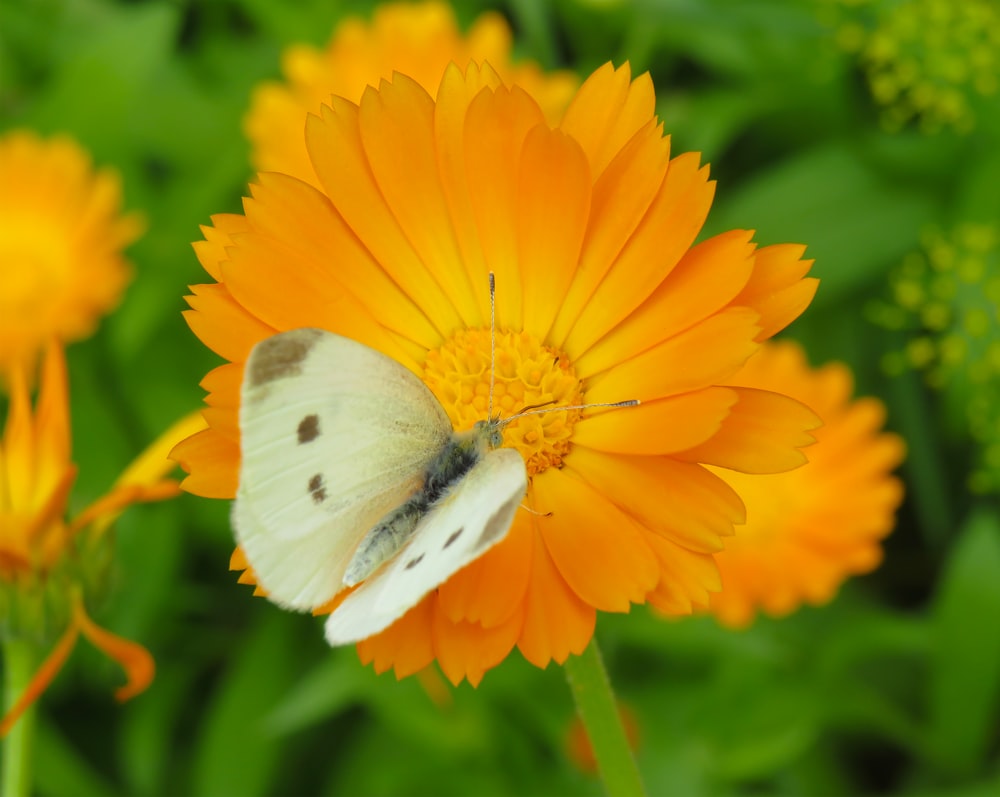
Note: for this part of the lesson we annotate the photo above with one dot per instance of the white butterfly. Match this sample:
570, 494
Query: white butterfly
347, 458
351, 474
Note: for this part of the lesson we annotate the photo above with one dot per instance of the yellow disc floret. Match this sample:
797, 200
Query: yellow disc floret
528, 374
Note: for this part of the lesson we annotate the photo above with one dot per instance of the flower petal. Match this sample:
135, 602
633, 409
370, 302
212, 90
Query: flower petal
336, 147
212, 463
496, 126
405, 646
554, 191
398, 136
763, 433
706, 279
622, 196
666, 232
598, 549
661, 426
457, 90
219, 237
491, 589
706, 354
222, 324
328, 280
608, 109
687, 579
556, 621
134, 658
681, 501
467, 650
776, 288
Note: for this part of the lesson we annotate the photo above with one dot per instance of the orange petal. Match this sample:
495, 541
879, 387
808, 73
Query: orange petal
454, 95
223, 386
336, 148
467, 650
679, 500
327, 279
706, 354
556, 622
554, 203
52, 427
397, 131
687, 577
762, 434
106, 509
238, 560
621, 198
608, 109
666, 232
154, 463
776, 288
662, 426
212, 463
133, 657
43, 676
212, 251
598, 549
405, 646
492, 587
706, 279
19, 447
496, 126
222, 323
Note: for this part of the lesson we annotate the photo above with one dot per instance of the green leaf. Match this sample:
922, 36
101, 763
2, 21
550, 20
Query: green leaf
59, 769
965, 678
235, 752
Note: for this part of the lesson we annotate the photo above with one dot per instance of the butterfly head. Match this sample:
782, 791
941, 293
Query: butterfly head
490, 432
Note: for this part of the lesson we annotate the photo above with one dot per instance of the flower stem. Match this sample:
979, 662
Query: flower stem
19, 661
595, 702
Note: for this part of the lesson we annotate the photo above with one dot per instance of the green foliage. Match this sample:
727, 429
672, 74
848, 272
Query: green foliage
894, 687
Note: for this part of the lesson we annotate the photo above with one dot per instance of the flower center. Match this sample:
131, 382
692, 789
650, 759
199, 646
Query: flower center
528, 373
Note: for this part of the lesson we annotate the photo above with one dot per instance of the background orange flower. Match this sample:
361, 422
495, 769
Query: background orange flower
416, 39
811, 528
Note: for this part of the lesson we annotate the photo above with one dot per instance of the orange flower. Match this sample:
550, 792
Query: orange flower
809, 529
417, 39
41, 554
61, 236
601, 295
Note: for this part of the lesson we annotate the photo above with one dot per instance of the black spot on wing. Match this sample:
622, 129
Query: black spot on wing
413, 562
280, 356
308, 429
498, 524
317, 489
454, 536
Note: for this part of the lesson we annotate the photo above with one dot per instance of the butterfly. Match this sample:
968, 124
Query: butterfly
352, 476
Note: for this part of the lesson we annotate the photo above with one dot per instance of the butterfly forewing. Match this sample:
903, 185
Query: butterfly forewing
475, 515
333, 436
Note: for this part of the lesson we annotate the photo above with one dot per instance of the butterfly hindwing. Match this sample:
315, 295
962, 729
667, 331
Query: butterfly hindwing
333, 435
475, 515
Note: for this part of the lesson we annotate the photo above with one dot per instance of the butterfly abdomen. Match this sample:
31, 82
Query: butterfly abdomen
390, 534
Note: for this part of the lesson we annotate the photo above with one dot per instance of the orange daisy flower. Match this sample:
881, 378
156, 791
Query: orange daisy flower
601, 296
46, 561
811, 528
417, 39
61, 239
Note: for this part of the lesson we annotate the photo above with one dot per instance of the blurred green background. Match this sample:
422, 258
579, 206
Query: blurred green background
891, 689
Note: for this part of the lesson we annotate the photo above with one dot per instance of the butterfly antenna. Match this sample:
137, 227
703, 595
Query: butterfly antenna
493, 341
628, 403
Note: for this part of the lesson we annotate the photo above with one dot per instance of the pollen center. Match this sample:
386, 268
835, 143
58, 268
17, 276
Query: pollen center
528, 374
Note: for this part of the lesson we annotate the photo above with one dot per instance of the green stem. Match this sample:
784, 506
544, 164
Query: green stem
598, 710
19, 667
